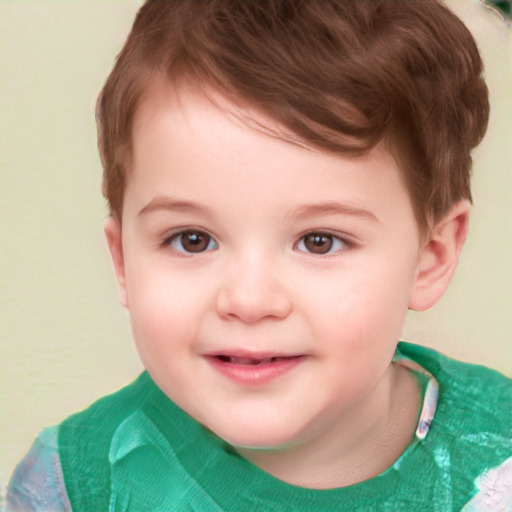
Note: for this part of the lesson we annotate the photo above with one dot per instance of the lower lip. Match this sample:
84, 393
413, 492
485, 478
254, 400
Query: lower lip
254, 375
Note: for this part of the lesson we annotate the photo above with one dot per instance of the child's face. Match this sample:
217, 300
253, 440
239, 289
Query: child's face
237, 248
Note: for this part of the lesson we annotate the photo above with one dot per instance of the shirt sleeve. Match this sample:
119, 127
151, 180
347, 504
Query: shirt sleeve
495, 490
37, 484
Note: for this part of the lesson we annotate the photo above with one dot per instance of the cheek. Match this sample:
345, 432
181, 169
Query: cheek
361, 310
163, 309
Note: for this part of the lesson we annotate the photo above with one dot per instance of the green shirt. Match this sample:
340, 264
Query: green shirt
136, 450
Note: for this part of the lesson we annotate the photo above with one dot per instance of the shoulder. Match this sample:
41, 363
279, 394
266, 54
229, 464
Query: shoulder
84, 441
472, 398
469, 441
86, 435
37, 483
71, 459
458, 379
109, 410
494, 490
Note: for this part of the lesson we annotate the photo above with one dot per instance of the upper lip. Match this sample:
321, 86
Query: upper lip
243, 354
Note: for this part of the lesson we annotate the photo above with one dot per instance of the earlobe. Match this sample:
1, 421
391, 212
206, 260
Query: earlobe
439, 257
113, 234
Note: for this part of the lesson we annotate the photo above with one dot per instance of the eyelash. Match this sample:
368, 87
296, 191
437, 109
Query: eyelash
208, 243
338, 243
177, 238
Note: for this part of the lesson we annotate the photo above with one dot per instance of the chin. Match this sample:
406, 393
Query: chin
260, 444
255, 438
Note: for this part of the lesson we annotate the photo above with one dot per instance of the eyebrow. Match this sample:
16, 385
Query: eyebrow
171, 204
332, 208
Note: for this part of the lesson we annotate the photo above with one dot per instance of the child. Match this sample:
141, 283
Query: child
285, 180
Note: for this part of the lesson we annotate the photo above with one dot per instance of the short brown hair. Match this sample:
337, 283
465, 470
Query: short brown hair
343, 75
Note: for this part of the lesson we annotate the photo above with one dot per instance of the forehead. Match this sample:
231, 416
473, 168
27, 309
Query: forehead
197, 143
185, 97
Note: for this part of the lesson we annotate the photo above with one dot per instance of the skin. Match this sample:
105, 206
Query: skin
258, 285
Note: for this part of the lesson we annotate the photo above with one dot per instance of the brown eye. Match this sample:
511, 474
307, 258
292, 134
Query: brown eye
320, 243
192, 242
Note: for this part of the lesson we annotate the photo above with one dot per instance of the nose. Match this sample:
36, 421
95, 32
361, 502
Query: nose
252, 291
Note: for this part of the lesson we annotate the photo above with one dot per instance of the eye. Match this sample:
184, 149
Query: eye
320, 243
191, 241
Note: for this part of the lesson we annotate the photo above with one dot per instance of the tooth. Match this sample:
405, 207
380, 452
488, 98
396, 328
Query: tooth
248, 360
241, 360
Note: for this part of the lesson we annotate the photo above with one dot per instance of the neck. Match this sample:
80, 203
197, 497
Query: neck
360, 445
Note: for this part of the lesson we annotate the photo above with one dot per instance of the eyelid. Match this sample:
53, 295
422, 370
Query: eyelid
173, 235
169, 233
346, 240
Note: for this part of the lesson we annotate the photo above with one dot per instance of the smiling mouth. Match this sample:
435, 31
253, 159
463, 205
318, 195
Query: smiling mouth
252, 369
249, 361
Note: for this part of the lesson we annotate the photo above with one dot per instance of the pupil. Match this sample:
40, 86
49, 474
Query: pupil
318, 244
194, 242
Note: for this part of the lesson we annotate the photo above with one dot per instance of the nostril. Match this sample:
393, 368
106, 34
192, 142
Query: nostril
253, 305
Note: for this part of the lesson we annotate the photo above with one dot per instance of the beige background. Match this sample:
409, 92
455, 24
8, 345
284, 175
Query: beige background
64, 338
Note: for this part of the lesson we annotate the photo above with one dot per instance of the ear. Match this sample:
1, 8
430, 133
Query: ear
439, 257
113, 235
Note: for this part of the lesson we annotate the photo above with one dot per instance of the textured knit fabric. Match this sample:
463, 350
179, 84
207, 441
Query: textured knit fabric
136, 450
37, 483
